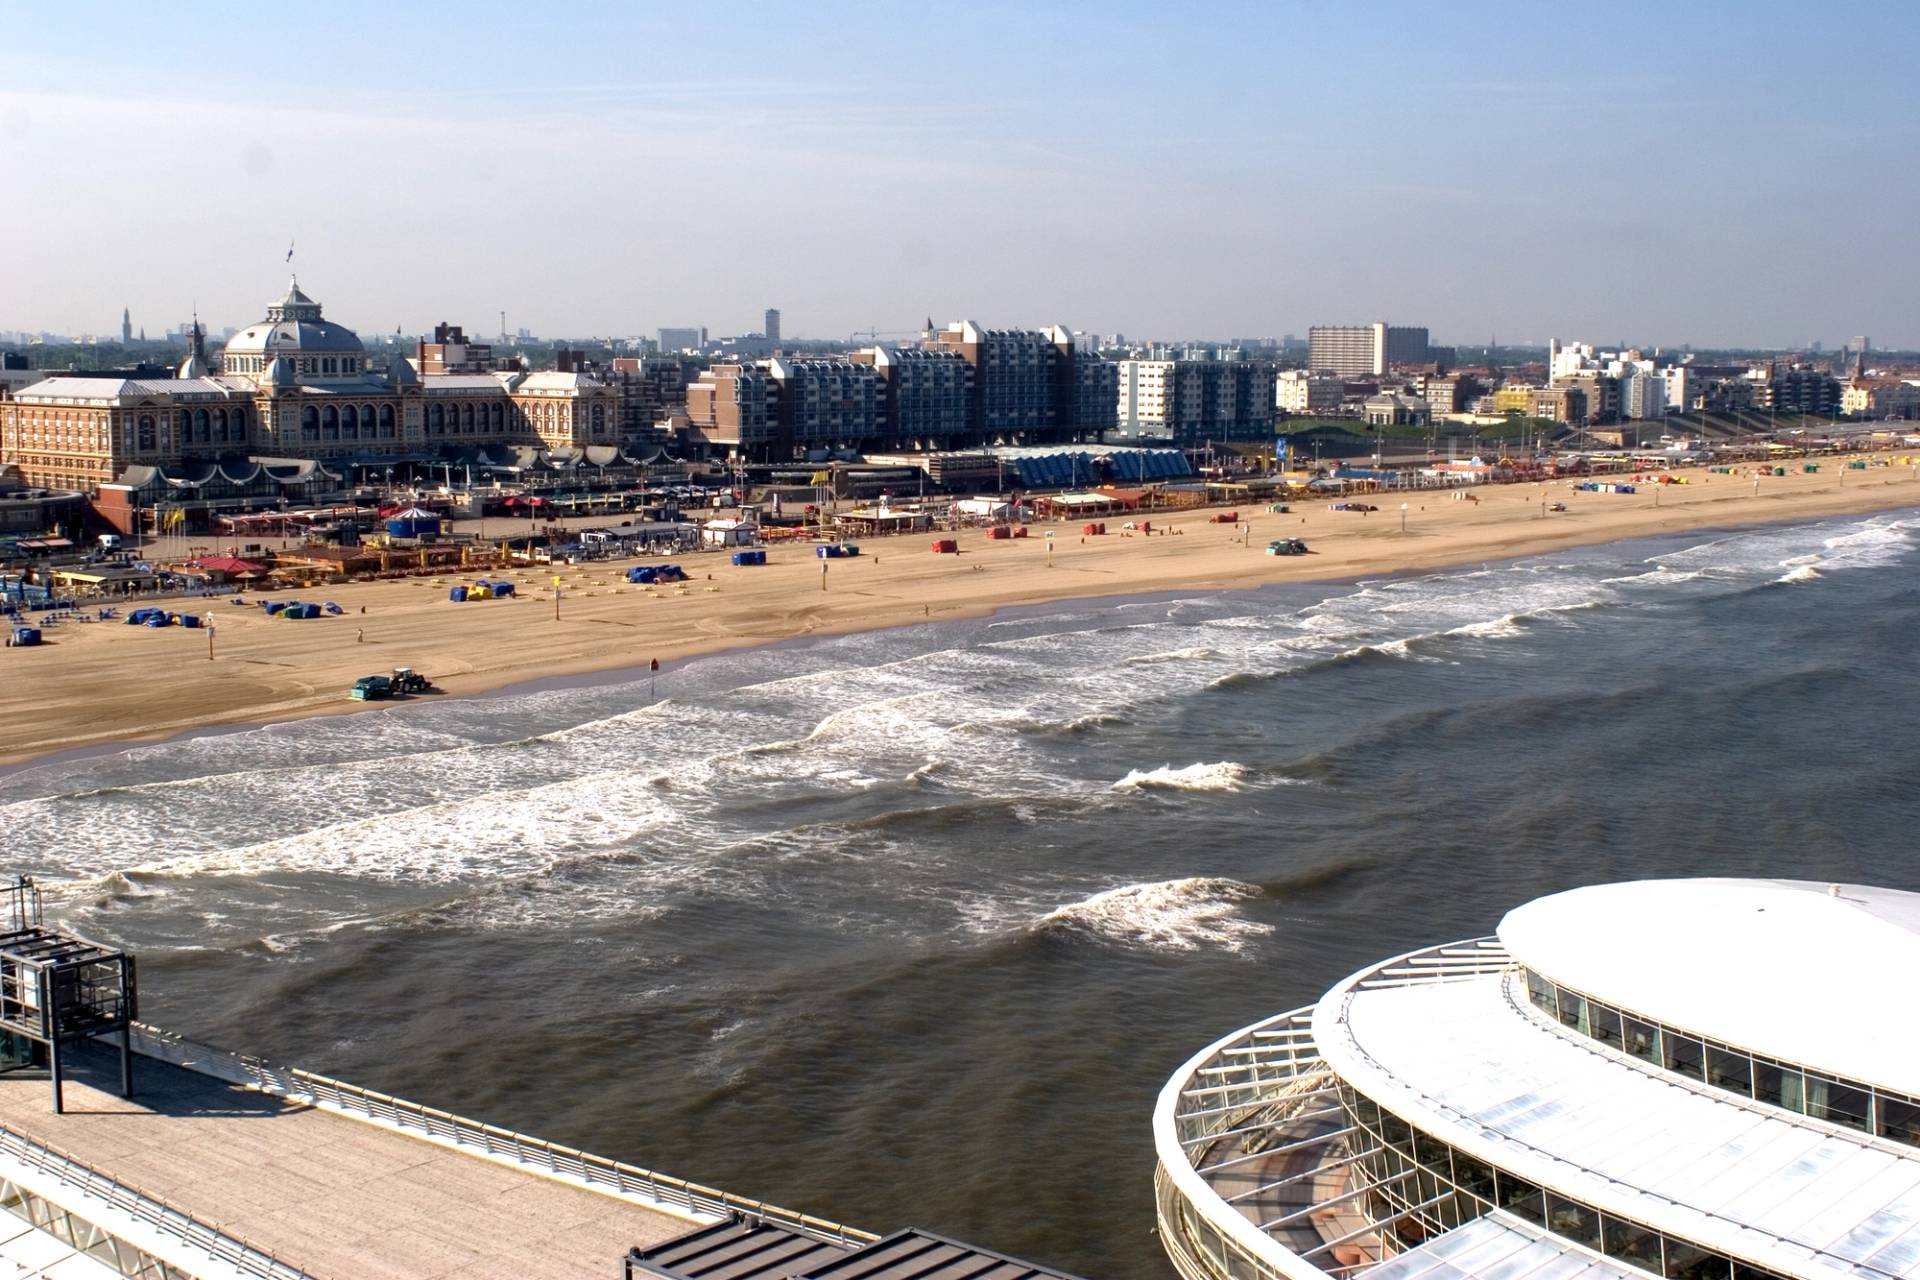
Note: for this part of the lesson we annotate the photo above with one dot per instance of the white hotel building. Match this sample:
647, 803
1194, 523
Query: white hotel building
1695, 1079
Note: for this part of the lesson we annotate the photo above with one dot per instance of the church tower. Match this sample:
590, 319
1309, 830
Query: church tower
126, 325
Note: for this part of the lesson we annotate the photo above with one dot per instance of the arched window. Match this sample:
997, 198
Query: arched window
309, 423
599, 419
466, 420
437, 420
239, 426
350, 423
330, 423
149, 438
202, 427
183, 425
220, 425
386, 422
499, 416
366, 422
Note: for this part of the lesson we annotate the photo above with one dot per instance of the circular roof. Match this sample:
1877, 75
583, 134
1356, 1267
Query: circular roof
1791, 969
294, 337
293, 327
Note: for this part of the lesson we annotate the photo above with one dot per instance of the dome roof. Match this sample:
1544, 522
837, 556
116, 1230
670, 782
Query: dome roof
293, 326
281, 373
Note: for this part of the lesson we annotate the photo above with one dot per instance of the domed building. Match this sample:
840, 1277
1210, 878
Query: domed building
316, 348
1686, 1079
294, 388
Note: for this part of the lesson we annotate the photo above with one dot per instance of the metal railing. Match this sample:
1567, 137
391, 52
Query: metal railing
1252, 1082
594, 1171
168, 1220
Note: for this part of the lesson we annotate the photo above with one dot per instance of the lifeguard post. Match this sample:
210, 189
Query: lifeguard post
56, 989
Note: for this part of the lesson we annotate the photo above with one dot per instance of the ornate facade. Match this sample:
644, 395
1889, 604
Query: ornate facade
294, 385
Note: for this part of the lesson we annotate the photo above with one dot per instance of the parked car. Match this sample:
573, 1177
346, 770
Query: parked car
1286, 547
1354, 506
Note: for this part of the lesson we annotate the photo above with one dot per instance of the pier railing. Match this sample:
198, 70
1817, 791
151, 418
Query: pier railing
167, 1220
597, 1172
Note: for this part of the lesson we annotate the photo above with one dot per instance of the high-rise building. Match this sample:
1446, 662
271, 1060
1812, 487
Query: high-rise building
1350, 350
450, 352
1643, 395
927, 396
126, 325
732, 406
823, 404
1032, 386
1364, 350
771, 326
1194, 401
673, 341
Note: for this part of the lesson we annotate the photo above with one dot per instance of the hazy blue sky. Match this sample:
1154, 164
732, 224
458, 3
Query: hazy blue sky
1713, 173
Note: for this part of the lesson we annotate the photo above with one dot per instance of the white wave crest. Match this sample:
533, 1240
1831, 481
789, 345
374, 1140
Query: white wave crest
1799, 573
1165, 915
1223, 775
1195, 654
1492, 628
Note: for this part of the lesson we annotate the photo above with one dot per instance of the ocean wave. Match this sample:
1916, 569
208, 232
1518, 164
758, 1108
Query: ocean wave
1165, 915
1195, 654
1799, 573
1224, 775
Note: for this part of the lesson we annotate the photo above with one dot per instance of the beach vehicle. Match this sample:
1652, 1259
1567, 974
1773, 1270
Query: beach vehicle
371, 689
1558, 506
405, 681
23, 637
1280, 508
1362, 507
1286, 547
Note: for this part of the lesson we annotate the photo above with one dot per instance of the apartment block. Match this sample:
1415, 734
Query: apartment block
1364, 350
824, 404
732, 407
1194, 401
1307, 391
927, 396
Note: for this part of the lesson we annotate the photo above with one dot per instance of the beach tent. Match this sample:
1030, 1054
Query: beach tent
414, 522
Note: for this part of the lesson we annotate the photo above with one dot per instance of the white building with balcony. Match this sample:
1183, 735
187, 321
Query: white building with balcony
1691, 1079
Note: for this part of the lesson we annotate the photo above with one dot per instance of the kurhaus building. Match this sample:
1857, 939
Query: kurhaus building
293, 386
1688, 1079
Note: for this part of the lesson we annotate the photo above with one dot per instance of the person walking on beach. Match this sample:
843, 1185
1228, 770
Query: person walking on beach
359, 635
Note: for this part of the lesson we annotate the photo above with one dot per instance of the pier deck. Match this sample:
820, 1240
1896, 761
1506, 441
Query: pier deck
332, 1195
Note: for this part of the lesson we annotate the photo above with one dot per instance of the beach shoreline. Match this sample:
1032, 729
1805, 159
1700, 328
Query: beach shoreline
94, 689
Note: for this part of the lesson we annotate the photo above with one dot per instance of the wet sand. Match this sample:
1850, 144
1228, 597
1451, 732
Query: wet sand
98, 683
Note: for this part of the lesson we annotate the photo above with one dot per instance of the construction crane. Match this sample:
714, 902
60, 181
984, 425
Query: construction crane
874, 335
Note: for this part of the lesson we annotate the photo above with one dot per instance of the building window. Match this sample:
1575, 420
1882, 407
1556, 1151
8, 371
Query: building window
309, 423
149, 438
386, 422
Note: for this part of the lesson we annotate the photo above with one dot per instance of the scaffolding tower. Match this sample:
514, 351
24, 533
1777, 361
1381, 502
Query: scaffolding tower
58, 989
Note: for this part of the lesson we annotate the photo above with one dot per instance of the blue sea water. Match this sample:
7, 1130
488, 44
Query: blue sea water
910, 927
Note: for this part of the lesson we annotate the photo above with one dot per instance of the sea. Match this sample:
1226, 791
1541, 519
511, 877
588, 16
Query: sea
910, 927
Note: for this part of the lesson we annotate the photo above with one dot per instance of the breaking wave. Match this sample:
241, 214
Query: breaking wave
1165, 915
1224, 775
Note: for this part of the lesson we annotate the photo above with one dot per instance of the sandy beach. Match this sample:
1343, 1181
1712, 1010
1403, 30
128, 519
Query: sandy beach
91, 684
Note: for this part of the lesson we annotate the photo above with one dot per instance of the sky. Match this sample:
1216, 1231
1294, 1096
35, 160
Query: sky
1712, 173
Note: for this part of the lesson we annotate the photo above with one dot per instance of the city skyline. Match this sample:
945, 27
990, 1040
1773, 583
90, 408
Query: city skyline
1485, 171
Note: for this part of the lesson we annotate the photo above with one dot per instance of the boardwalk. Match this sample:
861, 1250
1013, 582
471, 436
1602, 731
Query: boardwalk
337, 1197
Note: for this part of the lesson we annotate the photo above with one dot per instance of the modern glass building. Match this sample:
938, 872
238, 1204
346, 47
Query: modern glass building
1694, 1079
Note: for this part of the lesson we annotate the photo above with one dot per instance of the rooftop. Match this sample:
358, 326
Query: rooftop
1470, 1063
1786, 968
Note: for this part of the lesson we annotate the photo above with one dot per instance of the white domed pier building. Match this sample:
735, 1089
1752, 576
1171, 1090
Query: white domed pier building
1693, 1079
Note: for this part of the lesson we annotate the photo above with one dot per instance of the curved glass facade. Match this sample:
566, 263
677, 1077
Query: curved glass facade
1853, 1104
1421, 1187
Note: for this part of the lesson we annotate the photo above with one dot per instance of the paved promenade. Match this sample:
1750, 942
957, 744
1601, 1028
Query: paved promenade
340, 1198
